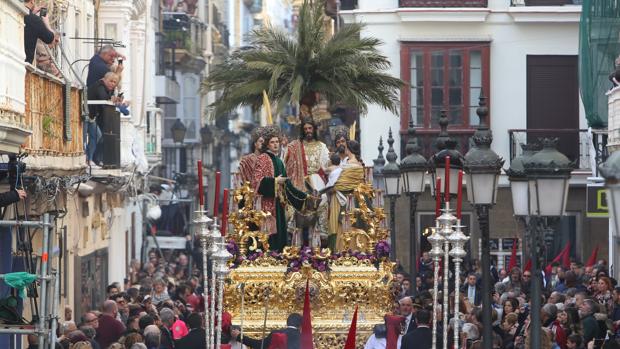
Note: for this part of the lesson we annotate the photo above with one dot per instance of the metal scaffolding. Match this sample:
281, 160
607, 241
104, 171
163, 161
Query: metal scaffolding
45, 327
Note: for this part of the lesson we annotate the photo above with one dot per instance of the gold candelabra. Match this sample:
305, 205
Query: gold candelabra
247, 222
364, 240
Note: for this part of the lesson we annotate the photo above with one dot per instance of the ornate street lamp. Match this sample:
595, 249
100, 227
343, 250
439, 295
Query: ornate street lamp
610, 170
377, 169
482, 169
391, 176
519, 189
413, 169
178, 131
446, 146
548, 173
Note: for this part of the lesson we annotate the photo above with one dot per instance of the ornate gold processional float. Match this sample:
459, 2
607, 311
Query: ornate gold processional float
265, 286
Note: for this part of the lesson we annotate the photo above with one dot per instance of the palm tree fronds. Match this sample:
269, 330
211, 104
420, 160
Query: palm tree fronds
347, 68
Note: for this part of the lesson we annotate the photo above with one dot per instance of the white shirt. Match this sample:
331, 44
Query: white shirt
471, 294
333, 177
407, 323
375, 343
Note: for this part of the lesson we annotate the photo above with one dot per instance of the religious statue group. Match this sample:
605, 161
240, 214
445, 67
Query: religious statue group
302, 185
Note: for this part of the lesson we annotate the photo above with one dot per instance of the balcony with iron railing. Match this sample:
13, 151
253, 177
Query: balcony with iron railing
183, 41
110, 133
585, 148
53, 113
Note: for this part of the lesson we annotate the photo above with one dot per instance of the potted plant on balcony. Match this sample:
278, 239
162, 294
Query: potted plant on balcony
304, 67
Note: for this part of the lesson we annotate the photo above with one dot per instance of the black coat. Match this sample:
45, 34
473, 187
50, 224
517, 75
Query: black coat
292, 339
477, 295
413, 325
10, 197
195, 339
167, 342
420, 338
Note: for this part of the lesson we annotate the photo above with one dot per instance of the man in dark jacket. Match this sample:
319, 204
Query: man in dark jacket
422, 336
195, 339
102, 90
167, 320
589, 324
293, 323
36, 27
471, 290
101, 62
109, 329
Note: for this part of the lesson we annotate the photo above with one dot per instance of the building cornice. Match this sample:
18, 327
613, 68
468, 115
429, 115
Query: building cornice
18, 6
519, 14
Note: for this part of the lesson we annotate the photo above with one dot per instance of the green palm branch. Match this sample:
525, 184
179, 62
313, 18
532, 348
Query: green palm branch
296, 68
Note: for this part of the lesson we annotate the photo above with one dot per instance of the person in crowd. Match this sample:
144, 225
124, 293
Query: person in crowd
421, 337
293, 324
36, 27
471, 290
109, 329
152, 337
167, 320
195, 339
589, 324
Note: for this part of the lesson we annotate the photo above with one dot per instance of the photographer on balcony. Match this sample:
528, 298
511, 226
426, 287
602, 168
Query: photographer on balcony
36, 26
102, 90
104, 62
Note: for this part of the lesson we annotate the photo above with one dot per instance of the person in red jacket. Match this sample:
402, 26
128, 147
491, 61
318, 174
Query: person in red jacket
110, 329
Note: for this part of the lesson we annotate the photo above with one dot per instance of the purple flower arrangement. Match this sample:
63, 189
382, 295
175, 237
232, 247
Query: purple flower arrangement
306, 255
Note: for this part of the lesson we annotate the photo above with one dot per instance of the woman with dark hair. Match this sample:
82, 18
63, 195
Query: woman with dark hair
354, 152
603, 294
511, 305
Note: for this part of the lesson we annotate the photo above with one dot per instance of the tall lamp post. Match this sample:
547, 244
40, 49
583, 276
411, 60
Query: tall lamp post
519, 189
391, 176
548, 174
446, 146
377, 169
610, 170
482, 169
413, 169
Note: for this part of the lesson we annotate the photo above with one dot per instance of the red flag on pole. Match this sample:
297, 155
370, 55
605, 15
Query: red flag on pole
566, 257
513, 256
528, 265
350, 343
563, 257
592, 260
306, 339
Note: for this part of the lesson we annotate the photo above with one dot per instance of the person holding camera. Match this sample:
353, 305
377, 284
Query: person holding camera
36, 26
101, 64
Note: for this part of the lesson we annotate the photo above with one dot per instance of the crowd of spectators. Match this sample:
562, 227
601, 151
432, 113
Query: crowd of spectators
158, 307
581, 308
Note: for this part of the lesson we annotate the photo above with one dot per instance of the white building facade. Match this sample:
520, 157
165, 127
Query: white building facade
523, 55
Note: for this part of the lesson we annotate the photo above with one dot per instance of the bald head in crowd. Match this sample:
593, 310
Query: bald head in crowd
110, 308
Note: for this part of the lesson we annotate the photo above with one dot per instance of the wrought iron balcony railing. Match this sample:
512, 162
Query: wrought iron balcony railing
442, 3
576, 144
